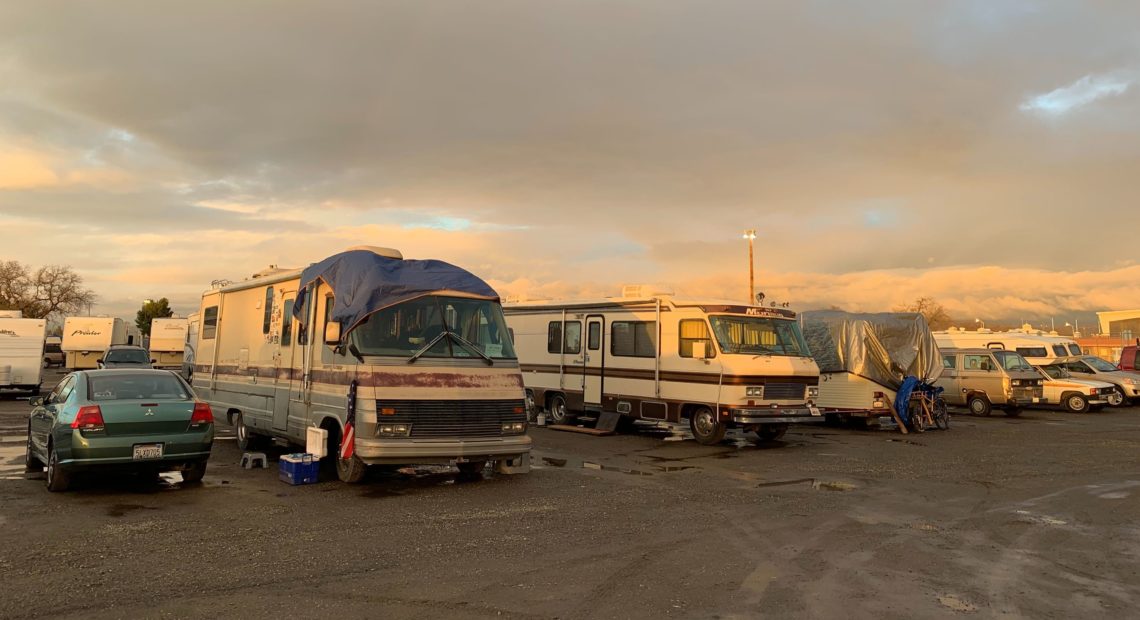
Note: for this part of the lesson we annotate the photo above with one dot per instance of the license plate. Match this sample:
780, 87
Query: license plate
1038, 400
815, 411
146, 451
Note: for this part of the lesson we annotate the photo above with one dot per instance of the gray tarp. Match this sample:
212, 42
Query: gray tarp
885, 347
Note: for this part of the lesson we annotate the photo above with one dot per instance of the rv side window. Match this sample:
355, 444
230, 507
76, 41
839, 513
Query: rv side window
692, 331
949, 362
1058, 349
571, 340
553, 337
268, 314
287, 323
1032, 351
1075, 349
634, 339
210, 323
594, 336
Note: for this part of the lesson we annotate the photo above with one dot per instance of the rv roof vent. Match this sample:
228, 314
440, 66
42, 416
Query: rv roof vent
634, 291
385, 252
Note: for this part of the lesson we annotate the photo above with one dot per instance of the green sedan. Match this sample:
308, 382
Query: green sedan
146, 421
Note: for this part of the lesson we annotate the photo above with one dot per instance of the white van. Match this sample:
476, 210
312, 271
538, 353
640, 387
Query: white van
86, 338
168, 342
22, 353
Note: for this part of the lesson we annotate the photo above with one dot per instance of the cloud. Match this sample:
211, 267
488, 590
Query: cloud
1086, 90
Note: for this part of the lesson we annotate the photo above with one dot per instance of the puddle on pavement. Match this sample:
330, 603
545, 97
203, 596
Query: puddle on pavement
816, 485
785, 483
907, 442
118, 510
553, 462
409, 479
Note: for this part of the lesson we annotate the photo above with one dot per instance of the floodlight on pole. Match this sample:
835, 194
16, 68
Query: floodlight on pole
750, 235
980, 322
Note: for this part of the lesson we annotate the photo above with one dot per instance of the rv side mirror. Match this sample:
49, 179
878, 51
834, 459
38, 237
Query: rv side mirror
36, 401
699, 351
332, 333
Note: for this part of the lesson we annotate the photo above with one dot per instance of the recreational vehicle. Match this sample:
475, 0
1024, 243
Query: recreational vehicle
864, 359
22, 353
409, 361
983, 378
168, 342
134, 335
649, 356
1035, 346
193, 323
86, 338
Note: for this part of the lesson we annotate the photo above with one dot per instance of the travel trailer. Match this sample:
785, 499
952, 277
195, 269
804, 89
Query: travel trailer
22, 353
168, 342
414, 354
1036, 346
86, 338
193, 322
983, 378
134, 335
864, 359
648, 356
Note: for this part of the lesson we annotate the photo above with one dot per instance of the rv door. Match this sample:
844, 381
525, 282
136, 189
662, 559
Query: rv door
593, 368
283, 379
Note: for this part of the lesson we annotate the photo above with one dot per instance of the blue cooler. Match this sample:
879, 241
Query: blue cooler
299, 468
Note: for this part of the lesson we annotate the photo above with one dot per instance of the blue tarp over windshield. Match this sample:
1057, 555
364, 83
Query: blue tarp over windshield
365, 282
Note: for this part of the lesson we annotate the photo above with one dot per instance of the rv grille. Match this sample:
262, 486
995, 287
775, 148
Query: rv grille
784, 391
452, 418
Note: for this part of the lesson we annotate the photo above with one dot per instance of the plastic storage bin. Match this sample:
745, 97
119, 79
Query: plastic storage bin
299, 468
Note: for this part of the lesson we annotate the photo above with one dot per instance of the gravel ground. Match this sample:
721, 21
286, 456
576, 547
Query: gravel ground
1032, 517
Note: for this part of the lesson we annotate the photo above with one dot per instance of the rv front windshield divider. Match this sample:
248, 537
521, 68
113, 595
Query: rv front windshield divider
749, 335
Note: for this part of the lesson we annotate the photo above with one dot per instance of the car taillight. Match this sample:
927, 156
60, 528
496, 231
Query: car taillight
202, 415
89, 418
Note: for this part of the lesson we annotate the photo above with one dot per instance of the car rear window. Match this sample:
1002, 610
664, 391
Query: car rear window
135, 356
156, 386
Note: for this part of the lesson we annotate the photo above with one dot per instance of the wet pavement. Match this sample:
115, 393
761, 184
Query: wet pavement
1030, 517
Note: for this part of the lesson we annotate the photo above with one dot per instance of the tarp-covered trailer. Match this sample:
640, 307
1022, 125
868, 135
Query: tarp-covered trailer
864, 359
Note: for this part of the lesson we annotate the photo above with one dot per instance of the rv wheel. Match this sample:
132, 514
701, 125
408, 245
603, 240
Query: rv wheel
979, 405
707, 430
771, 432
351, 470
558, 412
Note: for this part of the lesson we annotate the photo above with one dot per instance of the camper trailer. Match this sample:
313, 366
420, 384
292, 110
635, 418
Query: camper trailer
22, 353
134, 335
193, 323
648, 356
168, 342
865, 358
408, 360
86, 338
1036, 346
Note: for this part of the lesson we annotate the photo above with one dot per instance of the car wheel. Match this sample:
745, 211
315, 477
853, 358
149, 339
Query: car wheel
194, 473
58, 478
559, 414
1077, 403
31, 463
979, 405
771, 432
707, 430
1116, 398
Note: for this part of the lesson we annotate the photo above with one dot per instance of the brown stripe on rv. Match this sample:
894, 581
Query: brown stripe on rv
672, 376
378, 378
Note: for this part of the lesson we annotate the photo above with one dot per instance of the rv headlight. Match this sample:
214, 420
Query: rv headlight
514, 428
813, 391
755, 392
394, 430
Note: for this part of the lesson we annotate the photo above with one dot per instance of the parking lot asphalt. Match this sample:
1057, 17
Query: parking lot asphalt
1033, 517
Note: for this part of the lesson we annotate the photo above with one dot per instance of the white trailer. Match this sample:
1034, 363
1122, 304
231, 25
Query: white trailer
168, 342
647, 356
86, 338
416, 350
22, 353
1036, 346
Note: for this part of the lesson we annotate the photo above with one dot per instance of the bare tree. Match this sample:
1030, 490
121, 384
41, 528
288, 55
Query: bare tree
935, 315
50, 291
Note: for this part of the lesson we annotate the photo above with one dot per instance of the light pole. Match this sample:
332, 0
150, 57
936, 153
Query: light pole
750, 235
980, 322
1076, 325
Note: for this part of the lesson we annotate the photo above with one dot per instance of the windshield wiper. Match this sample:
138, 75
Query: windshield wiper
474, 347
427, 347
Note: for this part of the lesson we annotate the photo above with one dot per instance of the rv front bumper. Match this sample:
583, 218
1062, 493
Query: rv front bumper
781, 415
439, 451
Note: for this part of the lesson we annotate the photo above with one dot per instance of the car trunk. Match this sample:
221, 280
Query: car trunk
148, 417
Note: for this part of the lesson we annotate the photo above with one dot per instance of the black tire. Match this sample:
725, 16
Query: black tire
771, 432
350, 470
471, 469
194, 473
979, 405
1076, 403
941, 415
58, 478
917, 420
246, 440
31, 463
559, 414
1012, 412
707, 430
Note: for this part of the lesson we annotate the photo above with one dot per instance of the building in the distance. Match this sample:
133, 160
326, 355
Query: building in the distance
1123, 324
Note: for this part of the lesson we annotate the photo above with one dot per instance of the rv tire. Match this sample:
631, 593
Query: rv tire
771, 432
979, 405
246, 440
558, 412
351, 470
707, 430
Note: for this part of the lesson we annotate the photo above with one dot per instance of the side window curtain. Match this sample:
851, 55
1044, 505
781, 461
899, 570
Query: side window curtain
692, 331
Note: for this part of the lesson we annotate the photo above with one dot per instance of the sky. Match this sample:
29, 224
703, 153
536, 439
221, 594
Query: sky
981, 152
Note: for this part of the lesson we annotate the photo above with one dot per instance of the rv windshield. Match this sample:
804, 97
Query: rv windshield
404, 329
758, 336
1012, 361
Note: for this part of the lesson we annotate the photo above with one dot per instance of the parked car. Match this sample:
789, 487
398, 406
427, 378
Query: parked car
982, 379
1130, 357
125, 356
53, 355
1092, 367
145, 421
1072, 394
